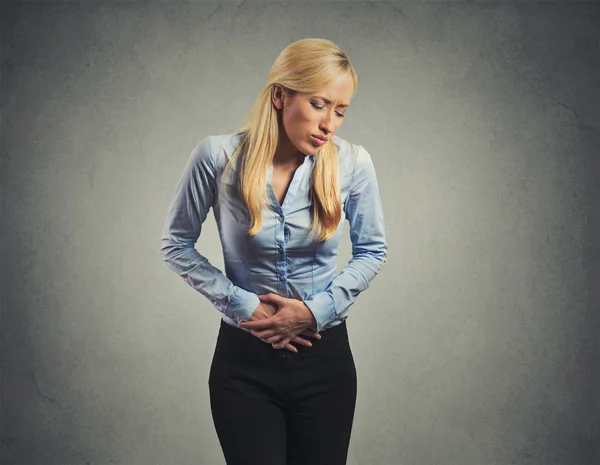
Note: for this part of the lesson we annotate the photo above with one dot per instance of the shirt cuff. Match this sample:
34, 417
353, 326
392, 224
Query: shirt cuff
322, 307
241, 305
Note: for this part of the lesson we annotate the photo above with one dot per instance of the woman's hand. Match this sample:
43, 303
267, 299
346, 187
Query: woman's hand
292, 317
265, 310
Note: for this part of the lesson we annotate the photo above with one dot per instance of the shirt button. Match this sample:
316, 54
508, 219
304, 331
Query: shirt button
281, 218
281, 278
280, 249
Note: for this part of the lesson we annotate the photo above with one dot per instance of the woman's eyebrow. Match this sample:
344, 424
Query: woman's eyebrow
329, 101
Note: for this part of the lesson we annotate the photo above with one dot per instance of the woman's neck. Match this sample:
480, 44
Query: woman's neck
287, 156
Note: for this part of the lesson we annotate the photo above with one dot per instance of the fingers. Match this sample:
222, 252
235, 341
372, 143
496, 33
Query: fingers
267, 335
302, 341
291, 348
310, 333
278, 342
271, 298
284, 342
270, 337
288, 346
257, 324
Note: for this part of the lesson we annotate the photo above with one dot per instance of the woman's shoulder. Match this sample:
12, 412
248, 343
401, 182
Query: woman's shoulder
350, 154
219, 148
344, 146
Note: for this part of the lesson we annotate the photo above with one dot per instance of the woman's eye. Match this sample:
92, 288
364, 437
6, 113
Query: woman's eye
321, 107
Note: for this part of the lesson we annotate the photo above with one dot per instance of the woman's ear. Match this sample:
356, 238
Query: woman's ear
277, 96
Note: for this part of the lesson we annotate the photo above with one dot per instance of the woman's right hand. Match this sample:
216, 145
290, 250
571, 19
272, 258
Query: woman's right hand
266, 310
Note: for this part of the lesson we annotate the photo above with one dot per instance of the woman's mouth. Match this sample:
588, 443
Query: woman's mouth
317, 141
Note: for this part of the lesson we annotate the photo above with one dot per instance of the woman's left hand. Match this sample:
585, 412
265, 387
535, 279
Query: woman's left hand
292, 318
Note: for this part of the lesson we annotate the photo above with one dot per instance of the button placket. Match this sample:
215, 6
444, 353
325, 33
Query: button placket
280, 259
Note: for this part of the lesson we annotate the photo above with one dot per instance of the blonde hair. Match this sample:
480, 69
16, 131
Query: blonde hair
307, 66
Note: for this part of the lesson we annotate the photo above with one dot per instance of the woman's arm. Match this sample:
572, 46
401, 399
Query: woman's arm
369, 248
193, 199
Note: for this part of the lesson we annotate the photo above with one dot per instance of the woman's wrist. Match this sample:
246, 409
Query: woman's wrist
311, 322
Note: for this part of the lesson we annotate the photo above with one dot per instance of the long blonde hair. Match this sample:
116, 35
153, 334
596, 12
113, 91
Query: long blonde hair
307, 65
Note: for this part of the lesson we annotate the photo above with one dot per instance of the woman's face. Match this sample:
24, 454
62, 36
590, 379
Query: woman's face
317, 114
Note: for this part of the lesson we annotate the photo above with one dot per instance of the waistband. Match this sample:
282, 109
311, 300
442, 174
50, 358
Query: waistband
234, 342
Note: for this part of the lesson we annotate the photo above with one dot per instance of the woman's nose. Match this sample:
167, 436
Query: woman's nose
326, 124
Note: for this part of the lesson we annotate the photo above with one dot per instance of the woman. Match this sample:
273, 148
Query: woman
280, 190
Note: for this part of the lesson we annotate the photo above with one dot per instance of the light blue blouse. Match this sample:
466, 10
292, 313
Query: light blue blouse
281, 258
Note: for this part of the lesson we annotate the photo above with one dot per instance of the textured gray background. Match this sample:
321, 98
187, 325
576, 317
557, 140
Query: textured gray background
478, 341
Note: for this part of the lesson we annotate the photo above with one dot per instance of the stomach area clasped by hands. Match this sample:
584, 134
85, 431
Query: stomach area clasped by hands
280, 320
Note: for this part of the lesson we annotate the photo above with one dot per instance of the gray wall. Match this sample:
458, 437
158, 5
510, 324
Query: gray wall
478, 341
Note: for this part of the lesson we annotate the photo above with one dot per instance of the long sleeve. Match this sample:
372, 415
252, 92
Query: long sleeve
192, 201
369, 248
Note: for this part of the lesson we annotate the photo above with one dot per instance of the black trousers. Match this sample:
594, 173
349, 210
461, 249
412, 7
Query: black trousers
275, 407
